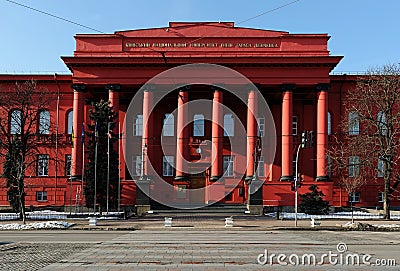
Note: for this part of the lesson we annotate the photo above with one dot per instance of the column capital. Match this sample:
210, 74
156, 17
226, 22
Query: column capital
113, 87
184, 88
218, 87
79, 87
288, 87
323, 87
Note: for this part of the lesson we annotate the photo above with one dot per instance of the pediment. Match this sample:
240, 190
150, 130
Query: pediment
201, 29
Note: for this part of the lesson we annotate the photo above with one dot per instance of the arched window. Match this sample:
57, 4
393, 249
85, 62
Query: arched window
15, 122
44, 122
329, 124
198, 125
70, 122
229, 125
354, 123
168, 125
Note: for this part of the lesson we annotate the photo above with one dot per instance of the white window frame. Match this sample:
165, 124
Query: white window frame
381, 168
381, 196
260, 167
295, 126
68, 164
168, 125
354, 166
354, 197
42, 165
138, 125
261, 126
70, 122
229, 165
329, 123
41, 196
198, 125
44, 122
229, 125
168, 165
354, 123
382, 123
15, 122
137, 165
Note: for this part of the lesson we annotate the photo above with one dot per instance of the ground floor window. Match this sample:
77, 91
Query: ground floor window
228, 166
168, 166
354, 197
381, 196
68, 165
41, 196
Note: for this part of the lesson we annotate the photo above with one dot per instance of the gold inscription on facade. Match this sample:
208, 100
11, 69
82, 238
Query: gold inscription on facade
200, 45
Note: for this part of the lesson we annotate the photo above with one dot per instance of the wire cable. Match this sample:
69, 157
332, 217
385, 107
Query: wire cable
55, 16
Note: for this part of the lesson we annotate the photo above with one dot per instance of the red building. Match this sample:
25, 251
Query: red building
290, 73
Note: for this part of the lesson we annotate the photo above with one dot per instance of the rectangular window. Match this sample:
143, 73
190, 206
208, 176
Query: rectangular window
43, 165
68, 165
198, 125
354, 123
137, 165
380, 196
229, 125
354, 197
294, 125
354, 166
41, 196
168, 125
329, 166
382, 123
168, 166
260, 167
138, 126
381, 168
261, 126
228, 166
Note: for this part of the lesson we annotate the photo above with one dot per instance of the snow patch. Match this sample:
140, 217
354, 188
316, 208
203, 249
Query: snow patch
37, 225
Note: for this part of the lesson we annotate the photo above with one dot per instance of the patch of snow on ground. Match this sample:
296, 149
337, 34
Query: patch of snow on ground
37, 225
339, 215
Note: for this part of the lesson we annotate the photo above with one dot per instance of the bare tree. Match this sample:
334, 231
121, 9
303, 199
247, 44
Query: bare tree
351, 163
371, 127
24, 128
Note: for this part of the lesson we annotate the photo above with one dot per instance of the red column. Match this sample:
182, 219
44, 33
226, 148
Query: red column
78, 109
287, 137
147, 129
252, 112
217, 134
322, 131
113, 97
182, 135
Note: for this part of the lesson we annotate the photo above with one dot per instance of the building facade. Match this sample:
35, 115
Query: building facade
290, 72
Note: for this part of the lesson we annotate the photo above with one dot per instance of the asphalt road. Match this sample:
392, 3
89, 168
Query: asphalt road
188, 249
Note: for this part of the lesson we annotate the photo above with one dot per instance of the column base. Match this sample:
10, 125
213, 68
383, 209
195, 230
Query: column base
322, 179
286, 178
248, 178
75, 178
142, 210
181, 178
216, 179
255, 209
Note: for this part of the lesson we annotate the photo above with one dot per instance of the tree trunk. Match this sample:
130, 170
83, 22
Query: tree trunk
352, 212
386, 200
22, 210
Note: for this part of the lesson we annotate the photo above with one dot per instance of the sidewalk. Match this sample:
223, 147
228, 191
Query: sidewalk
201, 222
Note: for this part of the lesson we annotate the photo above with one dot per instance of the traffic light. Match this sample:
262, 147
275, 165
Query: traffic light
311, 139
304, 139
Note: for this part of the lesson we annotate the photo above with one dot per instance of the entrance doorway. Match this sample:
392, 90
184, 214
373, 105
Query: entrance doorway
197, 182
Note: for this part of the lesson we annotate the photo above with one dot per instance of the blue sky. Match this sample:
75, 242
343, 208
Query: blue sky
366, 32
